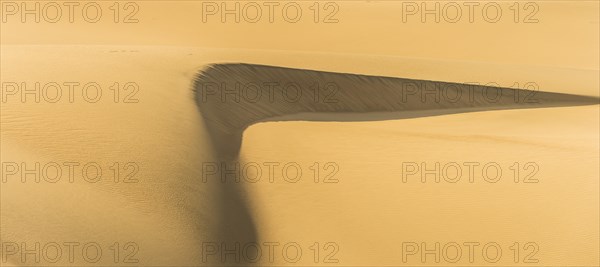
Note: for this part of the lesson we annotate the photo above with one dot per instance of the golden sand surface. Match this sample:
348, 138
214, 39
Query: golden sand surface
360, 200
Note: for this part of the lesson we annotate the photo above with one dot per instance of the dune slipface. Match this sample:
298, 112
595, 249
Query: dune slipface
231, 97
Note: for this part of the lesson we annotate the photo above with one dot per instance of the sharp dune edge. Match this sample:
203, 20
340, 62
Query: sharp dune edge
268, 93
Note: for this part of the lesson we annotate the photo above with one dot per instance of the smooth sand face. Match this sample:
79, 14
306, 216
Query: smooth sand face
366, 214
558, 38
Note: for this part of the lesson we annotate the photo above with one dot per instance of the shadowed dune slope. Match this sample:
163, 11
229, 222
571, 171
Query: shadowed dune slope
231, 97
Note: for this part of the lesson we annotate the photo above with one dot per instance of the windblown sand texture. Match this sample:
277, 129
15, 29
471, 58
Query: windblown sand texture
369, 207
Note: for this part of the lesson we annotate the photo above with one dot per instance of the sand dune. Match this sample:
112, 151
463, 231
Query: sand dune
347, 174
231, 97
170, 213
